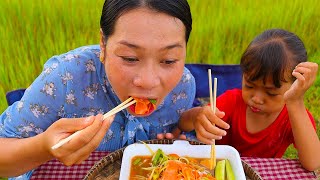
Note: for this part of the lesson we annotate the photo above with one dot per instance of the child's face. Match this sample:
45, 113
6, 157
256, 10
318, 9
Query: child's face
264, 99
145, 55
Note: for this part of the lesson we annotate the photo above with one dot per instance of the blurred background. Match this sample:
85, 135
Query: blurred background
32, 31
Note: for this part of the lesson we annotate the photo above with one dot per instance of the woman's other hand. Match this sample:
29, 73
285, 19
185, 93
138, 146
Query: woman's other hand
79, 148
175, 134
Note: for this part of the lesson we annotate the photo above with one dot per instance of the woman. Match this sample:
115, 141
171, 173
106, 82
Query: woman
141, 54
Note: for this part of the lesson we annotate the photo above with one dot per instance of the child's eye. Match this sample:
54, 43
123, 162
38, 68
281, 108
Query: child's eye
129, 59
248, 86
271, 94
169, 62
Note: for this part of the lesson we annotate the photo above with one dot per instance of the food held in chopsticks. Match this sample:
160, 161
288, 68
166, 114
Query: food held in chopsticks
130, 101
143, 106
171, 166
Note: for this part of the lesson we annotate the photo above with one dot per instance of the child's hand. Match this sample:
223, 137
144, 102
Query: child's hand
203, 124
306, 73
79, 148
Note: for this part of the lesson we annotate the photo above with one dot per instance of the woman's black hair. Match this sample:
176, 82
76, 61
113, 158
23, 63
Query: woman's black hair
273, 53
113, 9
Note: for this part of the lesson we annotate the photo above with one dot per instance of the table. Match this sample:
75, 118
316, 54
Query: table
267, 168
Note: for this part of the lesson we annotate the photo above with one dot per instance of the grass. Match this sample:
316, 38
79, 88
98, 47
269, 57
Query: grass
32, 31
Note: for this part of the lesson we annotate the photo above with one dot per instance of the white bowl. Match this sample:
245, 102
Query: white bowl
182, 148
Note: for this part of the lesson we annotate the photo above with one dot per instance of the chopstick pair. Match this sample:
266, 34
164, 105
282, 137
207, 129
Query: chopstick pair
113, 111
213, 98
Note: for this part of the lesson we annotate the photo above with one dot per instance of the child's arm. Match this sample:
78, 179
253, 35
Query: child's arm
305, 136
21, 155
201, 119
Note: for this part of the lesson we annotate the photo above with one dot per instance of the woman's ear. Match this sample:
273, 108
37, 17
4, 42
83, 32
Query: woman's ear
102, 46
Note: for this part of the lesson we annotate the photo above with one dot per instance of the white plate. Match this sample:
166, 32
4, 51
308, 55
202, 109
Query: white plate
182, 148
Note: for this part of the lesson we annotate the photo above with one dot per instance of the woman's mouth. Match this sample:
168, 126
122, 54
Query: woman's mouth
143, 106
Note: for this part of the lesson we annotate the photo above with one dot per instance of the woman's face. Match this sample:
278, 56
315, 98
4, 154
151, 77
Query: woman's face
145, 55
264, 99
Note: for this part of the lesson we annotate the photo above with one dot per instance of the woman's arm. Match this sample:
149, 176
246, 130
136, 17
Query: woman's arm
21, 155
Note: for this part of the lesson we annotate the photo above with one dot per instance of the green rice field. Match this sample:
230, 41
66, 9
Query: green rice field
31, 31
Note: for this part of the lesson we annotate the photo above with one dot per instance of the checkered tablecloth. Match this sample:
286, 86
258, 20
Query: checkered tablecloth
267, 168
280, 169
55, 170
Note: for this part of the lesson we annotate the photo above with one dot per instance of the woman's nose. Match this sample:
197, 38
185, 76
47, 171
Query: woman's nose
148, 78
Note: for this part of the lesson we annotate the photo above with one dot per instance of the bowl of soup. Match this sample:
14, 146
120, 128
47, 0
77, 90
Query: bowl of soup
138, 153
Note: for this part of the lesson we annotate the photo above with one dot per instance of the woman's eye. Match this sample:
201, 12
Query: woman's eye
169, 61
129, 59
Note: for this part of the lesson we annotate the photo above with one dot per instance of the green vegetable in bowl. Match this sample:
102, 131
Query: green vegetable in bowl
220, 170
229, 171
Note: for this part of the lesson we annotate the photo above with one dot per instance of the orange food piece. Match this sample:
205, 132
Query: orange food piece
177, 170
172, 170
143, 106
174, 156
206, 163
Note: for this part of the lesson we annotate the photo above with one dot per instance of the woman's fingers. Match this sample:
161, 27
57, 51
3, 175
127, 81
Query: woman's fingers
182, 137
175, 134
80, 147
82, 153
65, 125
62, 129
84, 136
160, 136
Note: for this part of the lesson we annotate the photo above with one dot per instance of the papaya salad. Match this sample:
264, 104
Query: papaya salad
172, 166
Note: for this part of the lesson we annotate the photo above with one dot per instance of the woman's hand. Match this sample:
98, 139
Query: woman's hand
79, 148
203, 123
306, 73
175, 134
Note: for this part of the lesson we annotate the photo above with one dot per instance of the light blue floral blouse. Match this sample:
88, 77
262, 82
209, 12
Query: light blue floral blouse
75, 84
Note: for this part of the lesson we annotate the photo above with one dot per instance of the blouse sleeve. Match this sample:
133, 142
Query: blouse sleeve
40, 105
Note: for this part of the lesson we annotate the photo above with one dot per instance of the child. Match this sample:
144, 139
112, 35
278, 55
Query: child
268, 114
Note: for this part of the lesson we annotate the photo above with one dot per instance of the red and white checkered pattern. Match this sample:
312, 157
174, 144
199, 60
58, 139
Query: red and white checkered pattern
267, 168
278, 168
56, 170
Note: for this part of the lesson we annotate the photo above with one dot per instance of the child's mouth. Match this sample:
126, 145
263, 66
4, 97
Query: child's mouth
254, 109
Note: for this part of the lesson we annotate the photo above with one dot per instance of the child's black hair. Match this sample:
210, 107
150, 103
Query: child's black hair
273, 53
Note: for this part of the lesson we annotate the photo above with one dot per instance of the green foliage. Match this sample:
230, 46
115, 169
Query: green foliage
32, 31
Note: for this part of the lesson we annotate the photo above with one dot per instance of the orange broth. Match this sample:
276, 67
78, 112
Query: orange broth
140, 162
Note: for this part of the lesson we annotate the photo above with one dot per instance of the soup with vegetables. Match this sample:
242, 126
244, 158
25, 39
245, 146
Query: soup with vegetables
171, 166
